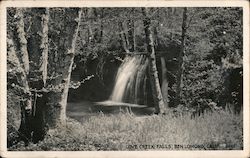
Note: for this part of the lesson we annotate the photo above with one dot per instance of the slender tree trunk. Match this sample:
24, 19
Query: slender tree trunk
134, 38
130, 24
164, 84
123, 38
155, 30
89, 14
57, 99
169, 14
154, 79
180, 58
98, 31
100, 34
38, 53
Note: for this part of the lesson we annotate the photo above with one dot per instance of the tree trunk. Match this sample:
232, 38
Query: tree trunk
32, 76
180, 58
123, 38
38, 109
100, 32
38, 45
26, 106
21, 41
57, 98
88, 15
164, 84
130, 24
154, 79
17, 49
38, 53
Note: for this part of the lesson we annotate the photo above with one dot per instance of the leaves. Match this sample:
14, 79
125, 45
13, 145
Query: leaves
76, 85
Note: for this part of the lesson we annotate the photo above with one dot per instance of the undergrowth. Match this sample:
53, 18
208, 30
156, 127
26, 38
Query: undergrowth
125, 131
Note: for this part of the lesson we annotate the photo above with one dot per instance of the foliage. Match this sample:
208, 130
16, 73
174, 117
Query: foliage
213, 55
75, 85
203, 81
212, 74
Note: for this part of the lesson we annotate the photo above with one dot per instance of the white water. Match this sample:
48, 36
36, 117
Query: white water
130, 80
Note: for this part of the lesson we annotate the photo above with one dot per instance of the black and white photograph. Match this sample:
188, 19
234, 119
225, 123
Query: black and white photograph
98, 78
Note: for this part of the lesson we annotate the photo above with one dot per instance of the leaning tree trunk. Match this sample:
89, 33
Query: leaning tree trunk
154, 79
61, 61
38, 53
164, 84
180, 58
17, 50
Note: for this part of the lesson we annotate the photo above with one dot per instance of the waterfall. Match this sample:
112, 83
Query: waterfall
131, 81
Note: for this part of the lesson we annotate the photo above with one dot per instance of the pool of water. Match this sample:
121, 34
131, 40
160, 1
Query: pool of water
85, 109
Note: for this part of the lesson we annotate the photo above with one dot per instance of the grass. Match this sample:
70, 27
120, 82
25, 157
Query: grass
124, 131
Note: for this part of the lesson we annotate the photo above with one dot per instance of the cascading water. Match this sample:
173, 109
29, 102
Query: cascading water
131, 81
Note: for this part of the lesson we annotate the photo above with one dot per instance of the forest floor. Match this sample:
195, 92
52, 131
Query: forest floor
127, 131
